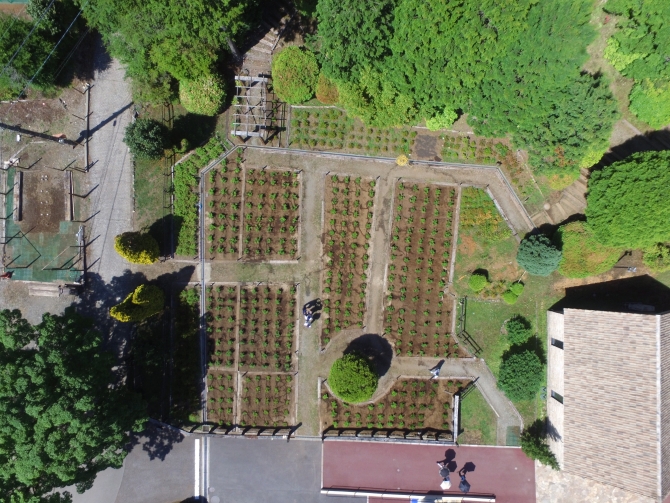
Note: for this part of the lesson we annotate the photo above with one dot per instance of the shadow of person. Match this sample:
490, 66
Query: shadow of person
449, 460
375, 348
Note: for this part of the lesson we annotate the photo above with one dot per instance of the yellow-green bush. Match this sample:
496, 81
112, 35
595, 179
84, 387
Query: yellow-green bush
137, 248
145, 301
326, 90
583, 255
202, 96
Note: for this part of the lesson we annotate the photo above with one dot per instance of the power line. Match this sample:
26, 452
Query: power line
27, 37
71, 53
12, 23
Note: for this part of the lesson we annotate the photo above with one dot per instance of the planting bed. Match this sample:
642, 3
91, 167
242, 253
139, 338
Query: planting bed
410, 405
267, 328
221, 393
416, 315
271, 214
221, 303
222, 220
348, 217
267, 400
332, 129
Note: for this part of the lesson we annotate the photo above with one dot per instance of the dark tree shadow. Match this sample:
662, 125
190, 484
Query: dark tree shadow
653, 141
165, 231
195, 128
375, 348
533, 345
156, 440
551, 431
482, 272
635, 294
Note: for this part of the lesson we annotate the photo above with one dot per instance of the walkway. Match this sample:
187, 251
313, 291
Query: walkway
504, 472
306, 271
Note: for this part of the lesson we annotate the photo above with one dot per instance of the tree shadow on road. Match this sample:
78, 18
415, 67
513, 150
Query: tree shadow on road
157, 441
375, 348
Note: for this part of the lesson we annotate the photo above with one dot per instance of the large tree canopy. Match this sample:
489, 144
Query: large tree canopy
627, 202
63, 418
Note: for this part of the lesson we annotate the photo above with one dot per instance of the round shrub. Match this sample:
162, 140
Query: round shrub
137, 248
442, 121
145, 301
353, 378
146, 139
326, 91
294, 75
516, 288
519, 330
538, 255
202, 96
478, 282
520, 375
583, 255
509, 297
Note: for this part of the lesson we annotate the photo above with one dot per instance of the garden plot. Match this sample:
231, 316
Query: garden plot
410, 405
416, 316
349, 214
221, 303
221, 393
267, 328
271, 214
332, 129
267, 400
224, 194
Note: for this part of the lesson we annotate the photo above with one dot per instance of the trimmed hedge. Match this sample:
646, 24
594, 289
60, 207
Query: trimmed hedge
583, 255
203, 96
294, 75
145, 301
509, 297
353, 378
137, 248
186, 178
478, 282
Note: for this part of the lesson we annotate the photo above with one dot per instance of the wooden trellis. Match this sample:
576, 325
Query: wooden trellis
251, 116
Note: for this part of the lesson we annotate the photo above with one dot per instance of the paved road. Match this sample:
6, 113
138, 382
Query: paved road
161, 468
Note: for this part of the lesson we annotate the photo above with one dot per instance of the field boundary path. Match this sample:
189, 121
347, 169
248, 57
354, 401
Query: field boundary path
306, 270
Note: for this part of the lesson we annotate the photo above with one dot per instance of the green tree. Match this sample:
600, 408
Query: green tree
582, 254
326, 90
478, 282
353, 35
538, 255
657, 257
66, 417
650, 102
203, 95
295, 73
628, 204
534, 446
520, 375
159, 38
145, 301
519, 329
353, 378
442, 120
137, 248
146, 139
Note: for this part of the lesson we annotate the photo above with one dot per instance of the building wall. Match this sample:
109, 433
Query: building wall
664, 339
555, 383
611, 399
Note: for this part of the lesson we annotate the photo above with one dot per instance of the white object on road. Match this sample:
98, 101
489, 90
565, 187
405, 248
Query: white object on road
446, 484
196, 487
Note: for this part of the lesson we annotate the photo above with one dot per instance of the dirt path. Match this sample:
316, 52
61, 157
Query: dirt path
306, 271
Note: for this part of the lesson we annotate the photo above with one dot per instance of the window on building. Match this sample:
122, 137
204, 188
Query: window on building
556, 396
556, 343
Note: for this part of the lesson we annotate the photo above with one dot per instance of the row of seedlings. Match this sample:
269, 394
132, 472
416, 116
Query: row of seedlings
267, 400
417, 316
221, 304
349, 212
221, 397
224, 210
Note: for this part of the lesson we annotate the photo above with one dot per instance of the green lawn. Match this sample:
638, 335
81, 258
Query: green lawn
148, 192
478, 421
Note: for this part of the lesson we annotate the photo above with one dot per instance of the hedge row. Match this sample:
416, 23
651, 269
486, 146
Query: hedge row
186, 195
145, 301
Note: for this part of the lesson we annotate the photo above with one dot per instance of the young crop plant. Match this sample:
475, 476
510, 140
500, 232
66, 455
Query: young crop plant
221, 393
267, 328
416, 315
271, 214
221, 304
223, 213
267, 400
349, 217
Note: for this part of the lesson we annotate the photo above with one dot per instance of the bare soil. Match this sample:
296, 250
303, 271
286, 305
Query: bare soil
417, 318
221, 393
43, 201
410, 405
267, 400
349, 210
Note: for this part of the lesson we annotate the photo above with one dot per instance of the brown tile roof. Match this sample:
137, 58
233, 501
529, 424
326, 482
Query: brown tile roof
612, 428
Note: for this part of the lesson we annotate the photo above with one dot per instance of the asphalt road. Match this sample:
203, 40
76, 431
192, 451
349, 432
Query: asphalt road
162, 468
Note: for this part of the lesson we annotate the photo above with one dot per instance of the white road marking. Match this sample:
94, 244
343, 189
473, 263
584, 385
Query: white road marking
196, 488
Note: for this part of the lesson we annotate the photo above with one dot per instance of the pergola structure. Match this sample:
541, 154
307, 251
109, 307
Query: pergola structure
250, 114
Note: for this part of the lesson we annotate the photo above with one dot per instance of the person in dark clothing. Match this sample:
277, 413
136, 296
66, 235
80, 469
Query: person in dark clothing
464, 486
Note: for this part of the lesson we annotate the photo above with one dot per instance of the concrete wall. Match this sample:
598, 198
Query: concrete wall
555, 383
664, 362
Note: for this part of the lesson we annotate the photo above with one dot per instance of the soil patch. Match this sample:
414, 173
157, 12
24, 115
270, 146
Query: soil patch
221, 393
267, 400
43, 201
222, 307
346, 241
416, 316
410, 405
